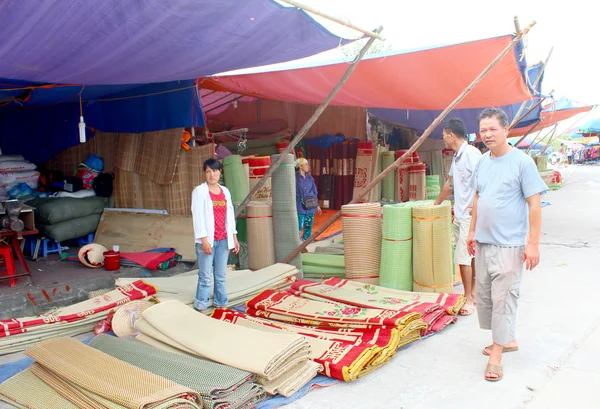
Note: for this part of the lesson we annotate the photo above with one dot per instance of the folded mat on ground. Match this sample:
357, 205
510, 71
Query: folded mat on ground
82, 374
339, 359
18, 333
267, 355
284, 303
451, 302
151, 259
220, 386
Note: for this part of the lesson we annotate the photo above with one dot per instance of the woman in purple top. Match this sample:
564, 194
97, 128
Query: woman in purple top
305, 188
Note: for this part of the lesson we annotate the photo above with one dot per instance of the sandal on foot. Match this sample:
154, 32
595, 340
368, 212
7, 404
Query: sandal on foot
504, 350
467, 310
494, 369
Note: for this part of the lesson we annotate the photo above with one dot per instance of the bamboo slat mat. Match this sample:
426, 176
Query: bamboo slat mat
362, 225
396, 247
89, 370
285, 215
261, 235
432, 248
25, 390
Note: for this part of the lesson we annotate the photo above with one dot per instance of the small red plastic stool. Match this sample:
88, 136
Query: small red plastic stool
11, 270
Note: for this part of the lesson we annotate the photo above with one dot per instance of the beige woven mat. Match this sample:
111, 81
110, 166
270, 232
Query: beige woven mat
362, 225
261, 236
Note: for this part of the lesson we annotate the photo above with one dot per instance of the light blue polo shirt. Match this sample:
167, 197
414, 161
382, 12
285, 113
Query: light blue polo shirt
503, 185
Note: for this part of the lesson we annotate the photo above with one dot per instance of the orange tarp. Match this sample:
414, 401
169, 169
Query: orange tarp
549, 118
427, 79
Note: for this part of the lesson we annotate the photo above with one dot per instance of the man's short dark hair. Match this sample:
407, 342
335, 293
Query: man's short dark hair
494, 112
456, 126
211, 163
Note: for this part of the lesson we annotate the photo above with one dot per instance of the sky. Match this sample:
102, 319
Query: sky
570, 27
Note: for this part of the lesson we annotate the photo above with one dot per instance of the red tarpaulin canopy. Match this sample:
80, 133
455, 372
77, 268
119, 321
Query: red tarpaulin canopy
426, 79
550, 118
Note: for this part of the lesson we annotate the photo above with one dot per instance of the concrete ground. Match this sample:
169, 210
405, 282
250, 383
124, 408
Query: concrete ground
558, 364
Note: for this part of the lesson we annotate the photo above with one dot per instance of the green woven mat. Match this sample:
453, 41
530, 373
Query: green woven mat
324, 270
235, 178
388, 193
396, 247
324, 260
432, 186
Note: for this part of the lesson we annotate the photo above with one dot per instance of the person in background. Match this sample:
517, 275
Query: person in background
465, 160
306, 190
214, 233
570, 155
505, 233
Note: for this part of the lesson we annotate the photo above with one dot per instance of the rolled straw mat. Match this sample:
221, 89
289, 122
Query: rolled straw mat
221, 385
267, 355
285, 215
433, 186
396, 247
417, 180
432, 248
89, 372
126, 315
261, 236
363, 170
235, 177
362, 240
388, 192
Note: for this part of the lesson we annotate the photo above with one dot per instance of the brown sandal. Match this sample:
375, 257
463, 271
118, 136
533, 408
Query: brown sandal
495, 369
504, 350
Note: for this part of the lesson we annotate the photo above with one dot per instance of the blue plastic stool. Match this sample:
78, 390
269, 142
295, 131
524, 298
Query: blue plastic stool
47, 246
82, 241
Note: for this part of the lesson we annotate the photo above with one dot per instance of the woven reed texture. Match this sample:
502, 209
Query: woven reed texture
90, 370
362, 240
363, 169
396, 247
261, 235
321, 265
437, 164
432, 248
25, 390
257, 168
125, 316
388, 190
432, 186
402, 183
417, 181
285, 215
235, 178
376, 168
218, 384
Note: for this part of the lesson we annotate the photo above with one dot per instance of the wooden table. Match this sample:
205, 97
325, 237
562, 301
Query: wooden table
12, 238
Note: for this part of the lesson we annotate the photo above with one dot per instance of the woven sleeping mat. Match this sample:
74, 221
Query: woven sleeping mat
362, 240
220, 386
432, 248
261, 236
285, 216
363, 170
25, 390
235, 177
77, 370
396, 269
388, 193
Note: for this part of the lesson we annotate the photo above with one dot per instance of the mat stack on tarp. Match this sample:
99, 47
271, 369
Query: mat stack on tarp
89, 378
434, 312
362, 227
363, 172
220, 386
261, 235
388, 192
67, 218
281, 361
18, 334
396, 270
241, 285
320, 265
343, 356
285, 216
432, 248
403, 178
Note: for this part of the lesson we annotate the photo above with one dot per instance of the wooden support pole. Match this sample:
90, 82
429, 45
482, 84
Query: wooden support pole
307, 125
418, 143
550, 140
373, 34
539, 139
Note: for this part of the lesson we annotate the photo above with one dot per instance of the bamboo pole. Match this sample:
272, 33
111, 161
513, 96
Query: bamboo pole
307, 125
373, 34
550, 140
418, 143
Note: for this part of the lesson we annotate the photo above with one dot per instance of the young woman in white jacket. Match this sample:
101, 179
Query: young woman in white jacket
214, 233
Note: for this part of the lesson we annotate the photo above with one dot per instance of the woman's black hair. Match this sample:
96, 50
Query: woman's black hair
212, 163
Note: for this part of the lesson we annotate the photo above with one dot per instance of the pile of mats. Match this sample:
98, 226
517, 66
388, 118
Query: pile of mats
18, 334
281, 361
362, 226
68, 374
261, 235
220, 386
432, 248
388, 191
321, 265
396, 268
241, 285
285, 216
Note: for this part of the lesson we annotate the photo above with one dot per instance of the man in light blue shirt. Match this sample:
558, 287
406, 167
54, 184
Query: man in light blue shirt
504, 233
